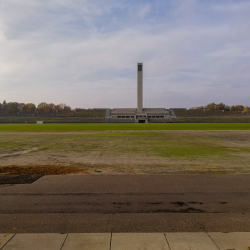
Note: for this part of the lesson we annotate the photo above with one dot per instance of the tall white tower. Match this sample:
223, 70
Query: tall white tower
139, 87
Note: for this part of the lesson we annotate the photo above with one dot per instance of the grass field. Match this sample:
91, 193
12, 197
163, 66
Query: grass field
122, 126
128, 148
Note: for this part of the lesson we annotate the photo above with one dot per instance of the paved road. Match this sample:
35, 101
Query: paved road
127, 203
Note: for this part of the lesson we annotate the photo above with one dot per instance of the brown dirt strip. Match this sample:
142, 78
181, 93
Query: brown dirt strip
18, 179
40, 170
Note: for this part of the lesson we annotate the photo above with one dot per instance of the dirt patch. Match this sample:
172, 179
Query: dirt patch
40, 170
19, 153
223, 202
179, 203
187, 210
18, 179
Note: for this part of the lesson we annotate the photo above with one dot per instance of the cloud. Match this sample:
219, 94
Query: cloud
242, 6
143, 11
84, 53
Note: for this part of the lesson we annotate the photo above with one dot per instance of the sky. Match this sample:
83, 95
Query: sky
85, 52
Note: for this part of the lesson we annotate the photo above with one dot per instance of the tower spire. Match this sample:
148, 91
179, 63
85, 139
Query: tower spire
139, 87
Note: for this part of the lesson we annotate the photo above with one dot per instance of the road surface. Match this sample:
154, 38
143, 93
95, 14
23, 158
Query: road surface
127, 203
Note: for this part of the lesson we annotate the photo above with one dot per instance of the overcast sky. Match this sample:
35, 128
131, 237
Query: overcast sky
84, 52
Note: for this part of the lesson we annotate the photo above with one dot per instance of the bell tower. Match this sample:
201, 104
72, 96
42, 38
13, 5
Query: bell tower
139, 87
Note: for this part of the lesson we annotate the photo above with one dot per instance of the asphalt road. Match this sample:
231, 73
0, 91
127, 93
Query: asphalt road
127, 203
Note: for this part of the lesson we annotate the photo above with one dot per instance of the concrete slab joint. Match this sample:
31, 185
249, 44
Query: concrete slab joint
36, 241
120, 241
88, 241
4, 239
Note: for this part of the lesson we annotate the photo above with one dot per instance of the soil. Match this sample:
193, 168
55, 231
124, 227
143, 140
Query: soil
28, 174
18, 179
39, 170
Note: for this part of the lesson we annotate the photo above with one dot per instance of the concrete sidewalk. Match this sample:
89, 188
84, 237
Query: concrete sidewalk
125, 241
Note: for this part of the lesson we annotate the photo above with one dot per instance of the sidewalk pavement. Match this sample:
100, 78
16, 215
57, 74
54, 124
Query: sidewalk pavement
125, 241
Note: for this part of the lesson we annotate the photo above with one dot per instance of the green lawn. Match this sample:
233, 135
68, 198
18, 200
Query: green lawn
121, 126
166, 151
143, 148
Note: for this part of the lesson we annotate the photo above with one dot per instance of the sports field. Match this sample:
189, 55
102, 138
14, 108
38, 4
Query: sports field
124, 126
125, 148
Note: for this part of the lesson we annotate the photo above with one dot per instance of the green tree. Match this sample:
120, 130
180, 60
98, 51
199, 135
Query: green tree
43, 106
67, 108
30, 107
211, 106
12, 107
58, 108
51, 107
4, 106
220, 106
21, 107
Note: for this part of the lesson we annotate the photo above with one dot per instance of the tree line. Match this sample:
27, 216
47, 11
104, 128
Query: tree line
222, 106
16, 107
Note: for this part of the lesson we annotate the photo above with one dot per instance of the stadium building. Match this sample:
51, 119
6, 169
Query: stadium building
140, 114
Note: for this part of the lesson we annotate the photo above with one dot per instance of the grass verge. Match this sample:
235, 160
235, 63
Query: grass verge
68, 127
